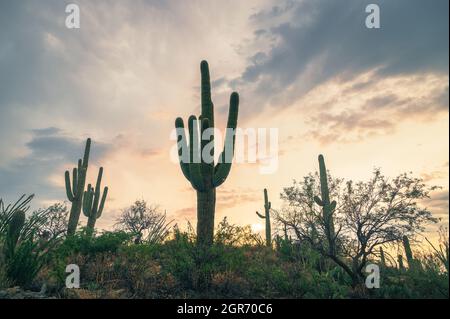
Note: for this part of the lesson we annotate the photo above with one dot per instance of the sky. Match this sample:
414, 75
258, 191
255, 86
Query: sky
364, 98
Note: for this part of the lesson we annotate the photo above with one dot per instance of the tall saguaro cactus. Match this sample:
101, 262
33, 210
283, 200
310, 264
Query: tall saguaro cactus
266, 216
198, 164
75, 192
92, 204
327, 207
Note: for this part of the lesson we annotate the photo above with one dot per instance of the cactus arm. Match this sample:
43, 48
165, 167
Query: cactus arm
223, 168
69, 193
333, 206
102, 202
181, 141
318, 200
266, 199
97, 191
75, 181
87, 150
195, 173
207, 105
324, 181
260, 216
87, 201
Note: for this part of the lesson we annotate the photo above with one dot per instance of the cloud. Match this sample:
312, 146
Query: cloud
188, 213
48, 151
232, 197
320, 40
347, 112
438, 204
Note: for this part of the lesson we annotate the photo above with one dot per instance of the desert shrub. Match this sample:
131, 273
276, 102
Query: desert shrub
420, 283
24, 253
139, 270
87, 244
234, 235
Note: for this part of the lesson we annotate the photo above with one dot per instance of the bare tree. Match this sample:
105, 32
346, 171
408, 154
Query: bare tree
56, 220
146, 223
367, 215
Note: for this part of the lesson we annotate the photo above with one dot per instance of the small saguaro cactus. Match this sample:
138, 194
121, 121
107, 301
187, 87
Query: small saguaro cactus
412, 263
203, 174
327, 207
400, 262
75, 192
382, 257
92, 204
15, 226
266, 216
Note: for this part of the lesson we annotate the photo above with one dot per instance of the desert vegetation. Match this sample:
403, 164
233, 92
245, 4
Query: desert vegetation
316, 245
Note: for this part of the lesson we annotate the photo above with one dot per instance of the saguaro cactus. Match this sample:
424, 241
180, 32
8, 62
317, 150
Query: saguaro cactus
382, 257
92, 204
327, 207
412, 263
15, 226
266, 216
400, 262
198, 165
75, 192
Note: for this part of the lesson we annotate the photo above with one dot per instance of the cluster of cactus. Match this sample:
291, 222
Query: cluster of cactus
76, 191
327, 207
266, 216
204, 175
87, 200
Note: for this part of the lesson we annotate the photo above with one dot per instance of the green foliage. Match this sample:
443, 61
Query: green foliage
86, 243
24, 253
203, 175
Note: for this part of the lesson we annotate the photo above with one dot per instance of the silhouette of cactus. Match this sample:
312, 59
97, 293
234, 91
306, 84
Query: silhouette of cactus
15, 226
412, 262
400, 262
92, 204
203, 175
266, 216
382, 257
75, 192
327, 207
